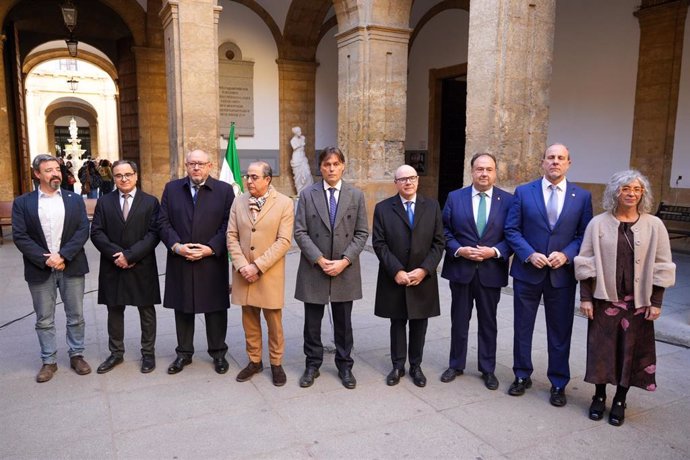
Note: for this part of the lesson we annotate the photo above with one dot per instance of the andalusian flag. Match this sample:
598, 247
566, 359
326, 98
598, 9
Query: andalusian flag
230, 171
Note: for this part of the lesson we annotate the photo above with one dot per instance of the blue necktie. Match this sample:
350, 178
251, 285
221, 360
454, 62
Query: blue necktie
552, 207
332, 206
410, 212
481, 214
195, 194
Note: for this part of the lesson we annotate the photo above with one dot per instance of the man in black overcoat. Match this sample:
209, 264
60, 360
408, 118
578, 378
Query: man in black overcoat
408, 240
125, 231
193, 222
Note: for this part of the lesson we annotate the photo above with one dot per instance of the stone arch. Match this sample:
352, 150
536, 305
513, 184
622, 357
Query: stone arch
265, 17
435, 10
64, 107
303, 26
130, 11
326, 26
386, 13
34, 59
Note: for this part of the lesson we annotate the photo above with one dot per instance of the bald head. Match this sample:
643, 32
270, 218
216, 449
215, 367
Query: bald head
406, 181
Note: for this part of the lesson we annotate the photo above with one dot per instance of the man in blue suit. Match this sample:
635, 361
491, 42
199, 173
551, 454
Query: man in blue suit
50, 228
545, 226
476, 265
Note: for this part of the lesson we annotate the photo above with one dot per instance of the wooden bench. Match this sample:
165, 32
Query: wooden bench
679, 215
5, 217
6, 214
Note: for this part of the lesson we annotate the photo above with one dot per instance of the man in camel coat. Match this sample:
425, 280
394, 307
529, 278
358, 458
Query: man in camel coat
259, 235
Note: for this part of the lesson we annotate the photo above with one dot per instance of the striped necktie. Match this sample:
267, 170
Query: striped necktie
332, 206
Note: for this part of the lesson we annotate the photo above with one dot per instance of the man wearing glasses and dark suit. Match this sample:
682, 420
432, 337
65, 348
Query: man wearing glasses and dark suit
193, 221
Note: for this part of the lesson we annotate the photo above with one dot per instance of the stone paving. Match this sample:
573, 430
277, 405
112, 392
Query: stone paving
200, 414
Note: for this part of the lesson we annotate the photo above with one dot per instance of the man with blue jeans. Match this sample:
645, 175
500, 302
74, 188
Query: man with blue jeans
50, 228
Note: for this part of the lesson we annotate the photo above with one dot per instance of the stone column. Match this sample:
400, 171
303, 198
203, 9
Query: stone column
372, 98
656, 95
297, 95
190, 32
508, 81
154, 141
9, 185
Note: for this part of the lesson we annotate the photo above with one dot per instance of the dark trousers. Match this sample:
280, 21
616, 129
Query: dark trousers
486, 300
342, 324
116, 329
559, 307
399, 348
216, 329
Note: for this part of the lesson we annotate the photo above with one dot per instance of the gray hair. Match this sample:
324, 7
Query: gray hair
621, 178
132, 164
40, 159
266, 169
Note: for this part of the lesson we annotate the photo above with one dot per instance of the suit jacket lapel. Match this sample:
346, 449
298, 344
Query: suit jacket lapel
466, 202
318, 196
567, 201
270, 201
69, 209
136, 201
538, 196
343, 203
496, 204
399, 209
36, 220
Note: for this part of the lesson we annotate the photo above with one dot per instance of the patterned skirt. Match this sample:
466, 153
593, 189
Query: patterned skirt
620, 346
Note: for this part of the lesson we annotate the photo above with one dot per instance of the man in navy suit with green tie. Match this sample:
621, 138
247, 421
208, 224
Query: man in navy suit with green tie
476, 265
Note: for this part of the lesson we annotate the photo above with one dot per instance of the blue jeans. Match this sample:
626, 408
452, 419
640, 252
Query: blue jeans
44, 297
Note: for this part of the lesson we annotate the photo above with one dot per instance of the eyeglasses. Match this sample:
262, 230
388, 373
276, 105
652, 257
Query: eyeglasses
196, 164
409, 179
636, 190
127, 176
253, 177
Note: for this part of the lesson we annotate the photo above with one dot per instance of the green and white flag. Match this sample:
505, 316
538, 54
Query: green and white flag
230, 171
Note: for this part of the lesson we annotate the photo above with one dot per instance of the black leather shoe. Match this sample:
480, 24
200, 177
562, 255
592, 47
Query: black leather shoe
450, 374
393, 377
490, 380
109, 364
596, 410
179, 364
278, 375
617, 414
558, 398
348, 379
418, 376
307, 379
518, 387
221, 365
148, 364
249, 371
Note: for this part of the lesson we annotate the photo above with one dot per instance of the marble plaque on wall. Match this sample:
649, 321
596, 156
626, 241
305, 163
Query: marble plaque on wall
236, 91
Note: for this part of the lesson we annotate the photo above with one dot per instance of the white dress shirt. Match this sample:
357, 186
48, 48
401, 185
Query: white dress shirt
337, 188
560, 193
51, 213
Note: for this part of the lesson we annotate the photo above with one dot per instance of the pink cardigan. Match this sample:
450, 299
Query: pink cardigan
653, 265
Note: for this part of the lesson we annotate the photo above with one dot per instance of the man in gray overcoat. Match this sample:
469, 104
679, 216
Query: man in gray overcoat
408, 240
331, 230
125, 231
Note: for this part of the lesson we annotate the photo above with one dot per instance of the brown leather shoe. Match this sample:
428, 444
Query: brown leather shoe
279, 377
46, 372
80, 366
251, 369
